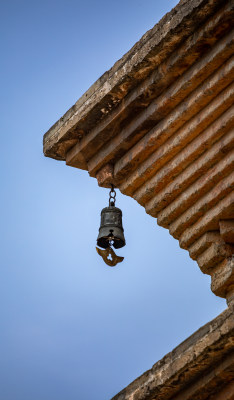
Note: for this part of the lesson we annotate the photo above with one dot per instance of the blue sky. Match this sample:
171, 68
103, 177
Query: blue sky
71, 327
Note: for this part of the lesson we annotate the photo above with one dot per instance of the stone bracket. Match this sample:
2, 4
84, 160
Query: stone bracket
105, 176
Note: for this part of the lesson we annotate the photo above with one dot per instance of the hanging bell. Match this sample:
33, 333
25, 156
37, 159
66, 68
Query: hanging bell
111, 232
111, 229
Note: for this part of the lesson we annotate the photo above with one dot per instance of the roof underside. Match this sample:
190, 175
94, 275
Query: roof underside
143, 65
159, 126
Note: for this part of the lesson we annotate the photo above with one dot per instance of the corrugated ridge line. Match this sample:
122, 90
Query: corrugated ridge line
179, 94
199, 72
210, 221
202, 185
158, 81
213, 255
203, 242
183, 158
202, 205
203, 97
182, 137
190, 174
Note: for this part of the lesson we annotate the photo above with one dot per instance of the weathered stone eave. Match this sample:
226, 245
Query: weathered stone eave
196, 369
159, 126
108, 91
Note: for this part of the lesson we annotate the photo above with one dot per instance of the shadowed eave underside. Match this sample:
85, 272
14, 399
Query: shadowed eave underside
159, 126
134, 67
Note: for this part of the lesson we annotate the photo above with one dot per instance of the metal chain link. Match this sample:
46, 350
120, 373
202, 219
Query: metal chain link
112, 195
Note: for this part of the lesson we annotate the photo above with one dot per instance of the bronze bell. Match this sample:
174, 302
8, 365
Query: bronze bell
111, 232
111, 229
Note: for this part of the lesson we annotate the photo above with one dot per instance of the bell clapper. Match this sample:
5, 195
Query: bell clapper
111, 232
109, 256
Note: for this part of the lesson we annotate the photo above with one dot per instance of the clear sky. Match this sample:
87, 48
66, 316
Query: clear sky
71, 327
